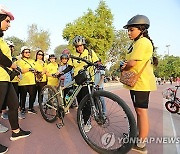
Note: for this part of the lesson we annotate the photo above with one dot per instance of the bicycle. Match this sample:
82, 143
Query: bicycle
110, 131
173, 103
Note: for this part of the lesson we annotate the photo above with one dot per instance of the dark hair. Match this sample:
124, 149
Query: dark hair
2, 17
38, 53
23, 52
51, 56
144, 32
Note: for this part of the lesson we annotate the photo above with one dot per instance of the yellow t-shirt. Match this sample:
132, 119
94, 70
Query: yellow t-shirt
6, 51
28, 78
40, 66
142, 52
78, 65
52, 68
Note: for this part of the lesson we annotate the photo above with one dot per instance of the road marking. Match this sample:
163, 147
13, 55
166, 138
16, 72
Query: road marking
174, 131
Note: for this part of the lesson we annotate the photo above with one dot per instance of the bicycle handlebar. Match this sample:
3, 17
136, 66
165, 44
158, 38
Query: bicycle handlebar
86, 61
82, 59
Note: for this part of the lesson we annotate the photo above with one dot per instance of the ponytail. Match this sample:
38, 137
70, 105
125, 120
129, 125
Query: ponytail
154, 59
144, 32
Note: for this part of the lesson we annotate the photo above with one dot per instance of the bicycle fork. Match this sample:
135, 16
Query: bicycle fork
96, 108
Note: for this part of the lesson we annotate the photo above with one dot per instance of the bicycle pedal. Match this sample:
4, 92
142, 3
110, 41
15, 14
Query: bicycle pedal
59, 125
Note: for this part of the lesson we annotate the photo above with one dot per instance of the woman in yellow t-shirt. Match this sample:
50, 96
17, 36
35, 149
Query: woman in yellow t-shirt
51, 71
7, 92
140, 52
27, 83
40, 67
4, 114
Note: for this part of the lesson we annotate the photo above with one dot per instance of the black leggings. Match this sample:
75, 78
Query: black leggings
86, 111
9, 97
31, 89
15, 85
39, 86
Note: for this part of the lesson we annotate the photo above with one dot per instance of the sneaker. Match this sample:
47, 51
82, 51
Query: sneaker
21, 134
87, 128
140, 150
23, 111
32, 111
3, 129
21, 116
4, 115
3, 149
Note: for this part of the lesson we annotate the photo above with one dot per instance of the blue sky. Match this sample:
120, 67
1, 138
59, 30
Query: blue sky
53, 15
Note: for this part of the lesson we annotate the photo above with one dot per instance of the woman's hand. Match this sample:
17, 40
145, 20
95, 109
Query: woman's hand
124, 65
128, 64
13, 66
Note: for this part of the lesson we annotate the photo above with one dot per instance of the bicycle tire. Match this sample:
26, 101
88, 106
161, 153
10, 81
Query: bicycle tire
172, 107
126, 120
48, 107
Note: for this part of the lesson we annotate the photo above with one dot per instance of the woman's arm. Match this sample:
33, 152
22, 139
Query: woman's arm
4, 60
127, 65
69, 68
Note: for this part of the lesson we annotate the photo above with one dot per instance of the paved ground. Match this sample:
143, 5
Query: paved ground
46, 138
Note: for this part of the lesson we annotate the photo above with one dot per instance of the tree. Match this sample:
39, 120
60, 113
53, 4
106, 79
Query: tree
38, 39
119, 47
169, 66
96, 27
118, 50
58, 50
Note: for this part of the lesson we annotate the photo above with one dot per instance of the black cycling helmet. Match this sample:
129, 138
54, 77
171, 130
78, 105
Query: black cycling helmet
64, 56
79, 40
138, 20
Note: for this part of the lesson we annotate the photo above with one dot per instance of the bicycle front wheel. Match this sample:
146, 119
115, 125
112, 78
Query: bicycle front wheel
111, 125
48, 103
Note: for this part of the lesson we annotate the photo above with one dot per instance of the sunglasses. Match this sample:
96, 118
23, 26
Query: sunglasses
77, 46
40, 54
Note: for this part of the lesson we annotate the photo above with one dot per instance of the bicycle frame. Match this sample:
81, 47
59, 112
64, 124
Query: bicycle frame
72, 97
75, 93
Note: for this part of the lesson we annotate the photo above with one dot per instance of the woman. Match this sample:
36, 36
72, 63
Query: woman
140, 53
27, 83
8, 93
4, 114
52, 70
40, 67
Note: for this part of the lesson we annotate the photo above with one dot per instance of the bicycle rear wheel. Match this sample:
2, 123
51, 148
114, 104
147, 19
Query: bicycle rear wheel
48, 103
109, 133
172, 107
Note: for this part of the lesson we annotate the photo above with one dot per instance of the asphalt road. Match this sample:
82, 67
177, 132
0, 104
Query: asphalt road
46, 138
